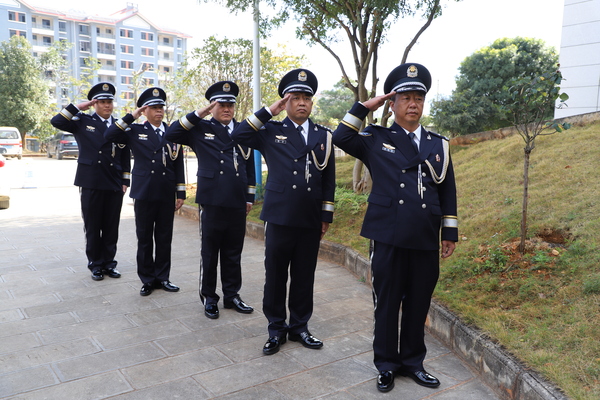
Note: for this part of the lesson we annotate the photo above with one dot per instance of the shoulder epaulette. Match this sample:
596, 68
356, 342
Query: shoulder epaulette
324, 127
440, 136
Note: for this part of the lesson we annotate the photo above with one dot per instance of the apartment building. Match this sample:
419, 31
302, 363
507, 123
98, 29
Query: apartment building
125, 43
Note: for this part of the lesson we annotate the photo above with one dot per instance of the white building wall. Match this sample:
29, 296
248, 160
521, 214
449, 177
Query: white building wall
580, 57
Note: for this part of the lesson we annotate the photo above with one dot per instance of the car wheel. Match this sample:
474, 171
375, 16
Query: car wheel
19, 156
48, 154
4, 202
59, 155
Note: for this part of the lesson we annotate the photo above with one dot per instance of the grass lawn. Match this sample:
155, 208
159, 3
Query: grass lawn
544, 305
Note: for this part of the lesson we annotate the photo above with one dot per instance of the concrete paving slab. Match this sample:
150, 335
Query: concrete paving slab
64, 336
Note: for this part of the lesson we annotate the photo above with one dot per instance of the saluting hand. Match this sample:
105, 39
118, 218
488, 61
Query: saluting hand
203, 112
279, 105
376, 102
86, 105
138, 112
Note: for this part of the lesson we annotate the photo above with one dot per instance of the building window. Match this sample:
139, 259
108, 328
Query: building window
16, 16
13, 32
166, 41
109, 31
147, 66
47, 40
147, 51
106, 48
62, 26
85, 46
126, 49
166, 70
147, 36
84, 29
83, 62
127, 64
127, 95
110, 63
126, 33
46, 24
179, 43
166, 56
126, 80
149, 81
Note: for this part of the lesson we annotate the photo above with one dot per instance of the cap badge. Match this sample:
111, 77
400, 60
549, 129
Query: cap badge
155, 93
302, 76
105, 87
226, 87
412, 72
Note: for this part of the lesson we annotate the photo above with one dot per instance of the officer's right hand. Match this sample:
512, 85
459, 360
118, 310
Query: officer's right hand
279, 105
376, 102
138, 113
86, 105
203, 112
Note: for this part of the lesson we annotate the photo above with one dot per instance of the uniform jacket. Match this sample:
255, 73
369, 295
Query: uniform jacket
158, 170
294, 195
397, 214
101, 164
226, 175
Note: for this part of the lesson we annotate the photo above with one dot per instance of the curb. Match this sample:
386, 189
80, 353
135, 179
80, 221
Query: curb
499, 369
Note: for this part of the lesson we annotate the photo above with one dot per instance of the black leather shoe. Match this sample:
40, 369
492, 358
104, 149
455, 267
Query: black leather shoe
211, 310
97, 275
238, 304
146, 289
306, 339
385, 381
113, 273
422, 378
169, 287
273, 344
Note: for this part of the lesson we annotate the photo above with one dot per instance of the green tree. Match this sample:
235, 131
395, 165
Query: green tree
23, 92
363, 25
477, 103
529, 101
231, 59
333, 104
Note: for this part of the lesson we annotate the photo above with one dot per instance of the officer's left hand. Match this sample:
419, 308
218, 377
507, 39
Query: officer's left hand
448, 247
178, 204
248, 208
324, 228
124, 188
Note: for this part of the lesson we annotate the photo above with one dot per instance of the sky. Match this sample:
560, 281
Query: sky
464, 28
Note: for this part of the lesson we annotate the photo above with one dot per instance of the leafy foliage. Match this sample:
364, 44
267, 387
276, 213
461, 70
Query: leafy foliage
24, 93
231, 59
332, 105
478, 102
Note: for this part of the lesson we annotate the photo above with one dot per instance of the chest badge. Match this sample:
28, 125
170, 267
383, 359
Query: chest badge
90, 128
209, 136
280, 139
389, 148
143, 136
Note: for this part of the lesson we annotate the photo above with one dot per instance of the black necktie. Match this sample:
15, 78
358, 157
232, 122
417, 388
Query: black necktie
107, 122
228, 130
300, 130
158, 132
411, 135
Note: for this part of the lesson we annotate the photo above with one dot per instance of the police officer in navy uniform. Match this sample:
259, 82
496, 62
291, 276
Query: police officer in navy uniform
225, 193
102, 176
157, 187
298, 204
413, 198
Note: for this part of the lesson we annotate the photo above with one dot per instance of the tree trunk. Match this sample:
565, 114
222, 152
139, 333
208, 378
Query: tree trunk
361, 178
525, 201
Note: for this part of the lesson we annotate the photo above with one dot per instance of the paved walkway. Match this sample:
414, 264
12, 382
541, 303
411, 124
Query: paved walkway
64, 336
